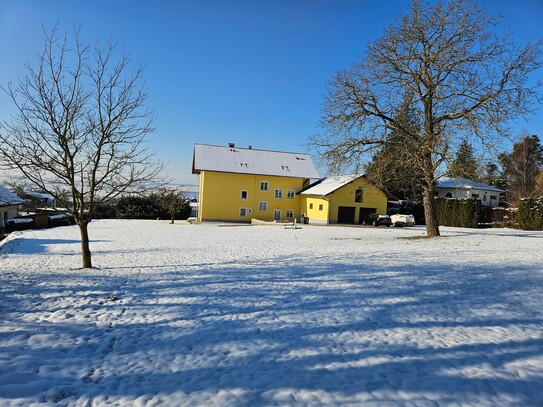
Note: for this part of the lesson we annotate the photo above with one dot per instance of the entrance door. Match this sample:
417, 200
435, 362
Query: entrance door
345, 214
364, 212
277, 214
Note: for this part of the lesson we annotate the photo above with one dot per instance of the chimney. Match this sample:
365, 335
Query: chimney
250, 147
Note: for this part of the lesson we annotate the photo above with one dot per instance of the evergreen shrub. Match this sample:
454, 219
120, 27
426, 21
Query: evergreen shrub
458, 212
530, 214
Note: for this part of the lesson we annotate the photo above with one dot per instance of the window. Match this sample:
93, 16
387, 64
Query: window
290, 214
262, 206
278, 193
321, 207
358, 195
291, 194
310, 206
242, 212
263, 185
244, 195
493, 197
475, 196
448, 195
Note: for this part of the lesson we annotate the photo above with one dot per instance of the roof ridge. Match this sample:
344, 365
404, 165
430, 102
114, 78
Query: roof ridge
252, 149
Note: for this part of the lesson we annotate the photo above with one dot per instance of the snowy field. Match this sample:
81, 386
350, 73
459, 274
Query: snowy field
205, 315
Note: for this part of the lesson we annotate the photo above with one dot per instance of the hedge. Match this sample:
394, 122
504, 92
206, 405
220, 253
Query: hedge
458, 212
530, 214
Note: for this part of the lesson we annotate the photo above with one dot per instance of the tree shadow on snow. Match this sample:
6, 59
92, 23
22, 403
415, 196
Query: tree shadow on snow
388, 334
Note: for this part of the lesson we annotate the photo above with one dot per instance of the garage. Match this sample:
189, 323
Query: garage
345, 214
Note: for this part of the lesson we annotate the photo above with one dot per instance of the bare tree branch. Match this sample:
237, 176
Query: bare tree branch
80, 129
465, 81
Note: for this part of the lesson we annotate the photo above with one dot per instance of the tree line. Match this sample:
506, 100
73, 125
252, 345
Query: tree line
519, 172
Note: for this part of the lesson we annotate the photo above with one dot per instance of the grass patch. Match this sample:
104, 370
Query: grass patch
414, 237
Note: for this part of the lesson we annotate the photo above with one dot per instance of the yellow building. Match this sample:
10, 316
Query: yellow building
344, 199
239, 184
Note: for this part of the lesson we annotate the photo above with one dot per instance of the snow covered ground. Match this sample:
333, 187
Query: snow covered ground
205, 315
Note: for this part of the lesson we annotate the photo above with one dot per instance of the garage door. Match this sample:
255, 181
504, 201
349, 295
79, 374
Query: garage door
345, 214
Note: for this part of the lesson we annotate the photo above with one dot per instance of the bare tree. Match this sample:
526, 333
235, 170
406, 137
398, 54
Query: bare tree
466, 81
80, 127
174, 202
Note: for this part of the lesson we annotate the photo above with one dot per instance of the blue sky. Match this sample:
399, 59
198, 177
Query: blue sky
249, 72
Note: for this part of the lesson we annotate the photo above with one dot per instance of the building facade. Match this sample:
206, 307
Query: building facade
343, 199
8, 206
239, 184
462, 188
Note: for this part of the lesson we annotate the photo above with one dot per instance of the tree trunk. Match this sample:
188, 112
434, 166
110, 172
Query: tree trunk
432, 226
85, 247
172, 217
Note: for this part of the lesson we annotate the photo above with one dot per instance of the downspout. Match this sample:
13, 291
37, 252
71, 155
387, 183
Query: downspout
253, 207
329, 210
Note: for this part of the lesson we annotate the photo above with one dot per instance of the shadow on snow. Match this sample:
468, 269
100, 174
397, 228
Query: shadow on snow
336, 328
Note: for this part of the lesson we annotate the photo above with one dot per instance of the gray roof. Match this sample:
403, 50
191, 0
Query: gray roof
328, 185
251, 161
8, 198
463, 183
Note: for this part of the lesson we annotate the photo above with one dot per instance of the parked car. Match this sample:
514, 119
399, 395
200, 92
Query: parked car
402, 220
377, 220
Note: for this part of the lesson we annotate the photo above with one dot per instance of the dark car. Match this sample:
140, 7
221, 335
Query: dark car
377, 220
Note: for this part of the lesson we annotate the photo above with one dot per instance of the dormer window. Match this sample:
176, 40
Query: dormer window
284, 167
243, 165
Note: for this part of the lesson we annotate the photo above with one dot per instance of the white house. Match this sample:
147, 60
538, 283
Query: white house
8, 205
463, 188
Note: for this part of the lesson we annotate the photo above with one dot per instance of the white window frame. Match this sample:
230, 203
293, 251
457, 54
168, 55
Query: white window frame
278, 193
246, 195
263, 206
289, 212
264, 185
291, 194
241, 214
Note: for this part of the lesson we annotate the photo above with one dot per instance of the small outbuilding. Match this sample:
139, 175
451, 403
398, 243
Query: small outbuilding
345, 199
462, 188
9, 203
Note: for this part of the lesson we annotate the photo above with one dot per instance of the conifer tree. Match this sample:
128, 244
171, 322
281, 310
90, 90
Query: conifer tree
392, 168
522, 167
465, 164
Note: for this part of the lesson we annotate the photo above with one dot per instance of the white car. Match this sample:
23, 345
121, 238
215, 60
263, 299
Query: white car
402, 220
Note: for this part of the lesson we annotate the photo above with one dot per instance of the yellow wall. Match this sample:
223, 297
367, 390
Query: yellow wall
316, 209
221, 200
345, 196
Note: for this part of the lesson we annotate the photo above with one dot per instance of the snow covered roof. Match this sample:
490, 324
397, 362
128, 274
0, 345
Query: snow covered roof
40, 195
252, 161
8, 198
328, 185
463, 183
